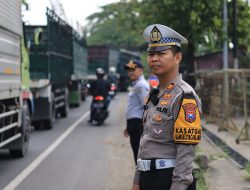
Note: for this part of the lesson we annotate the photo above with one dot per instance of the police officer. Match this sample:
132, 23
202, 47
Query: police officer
171, 120
138, 92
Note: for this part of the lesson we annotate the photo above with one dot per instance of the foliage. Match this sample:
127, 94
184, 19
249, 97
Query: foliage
201, 183
121, 24
247, 177
243, 25
248, 168
117, 26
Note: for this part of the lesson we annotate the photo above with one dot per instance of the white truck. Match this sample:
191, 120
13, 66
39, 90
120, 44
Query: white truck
15, 97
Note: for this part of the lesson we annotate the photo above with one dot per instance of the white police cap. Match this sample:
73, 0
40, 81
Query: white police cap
160, 37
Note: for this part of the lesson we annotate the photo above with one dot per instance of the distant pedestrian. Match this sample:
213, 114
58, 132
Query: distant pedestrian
138, 92
171, 121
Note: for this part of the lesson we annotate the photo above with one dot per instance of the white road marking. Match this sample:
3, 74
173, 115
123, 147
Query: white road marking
18, 179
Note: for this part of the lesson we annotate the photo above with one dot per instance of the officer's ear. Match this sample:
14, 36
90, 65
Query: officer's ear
178, 57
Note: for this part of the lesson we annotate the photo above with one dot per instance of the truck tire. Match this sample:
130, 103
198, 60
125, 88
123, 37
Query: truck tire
65, 109
83, 96
79, 91
23, 144
49, 124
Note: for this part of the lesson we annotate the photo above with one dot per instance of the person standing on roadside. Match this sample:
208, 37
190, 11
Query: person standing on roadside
134, 111
171, 120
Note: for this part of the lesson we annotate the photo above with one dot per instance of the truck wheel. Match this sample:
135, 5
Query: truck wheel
49, 124
65, 109
79, 97
23, 145
83, 97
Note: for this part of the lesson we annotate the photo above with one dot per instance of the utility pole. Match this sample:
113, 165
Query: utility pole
225, 44
235, 42
224, 123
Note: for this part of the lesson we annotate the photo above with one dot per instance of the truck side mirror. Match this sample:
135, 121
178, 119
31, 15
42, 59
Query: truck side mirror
38, 35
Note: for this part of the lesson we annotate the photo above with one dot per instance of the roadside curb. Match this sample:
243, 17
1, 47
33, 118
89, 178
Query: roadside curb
220, 144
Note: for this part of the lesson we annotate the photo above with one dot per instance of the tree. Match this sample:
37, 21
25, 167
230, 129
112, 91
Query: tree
199, 21
116, 25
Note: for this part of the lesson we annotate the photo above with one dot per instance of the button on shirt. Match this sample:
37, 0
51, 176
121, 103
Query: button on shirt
138, 92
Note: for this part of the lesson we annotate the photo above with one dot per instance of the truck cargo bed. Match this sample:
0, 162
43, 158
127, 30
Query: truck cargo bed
52, 57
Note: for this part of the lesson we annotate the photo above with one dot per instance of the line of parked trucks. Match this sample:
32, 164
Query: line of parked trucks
43, 70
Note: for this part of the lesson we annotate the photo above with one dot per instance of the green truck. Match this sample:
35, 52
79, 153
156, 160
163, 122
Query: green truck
78, 69
15, 97
57, 59
101, 56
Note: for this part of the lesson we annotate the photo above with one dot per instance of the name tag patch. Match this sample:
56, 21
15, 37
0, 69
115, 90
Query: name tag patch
187, 134
162, 109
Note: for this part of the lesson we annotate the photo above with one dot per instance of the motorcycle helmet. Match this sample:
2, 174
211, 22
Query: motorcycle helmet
100, 72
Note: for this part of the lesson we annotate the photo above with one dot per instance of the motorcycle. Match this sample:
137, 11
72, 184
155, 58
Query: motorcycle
99, 110
113, 90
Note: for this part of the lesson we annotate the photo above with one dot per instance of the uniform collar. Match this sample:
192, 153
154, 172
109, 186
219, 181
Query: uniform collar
139, 78
173, 82
177, 79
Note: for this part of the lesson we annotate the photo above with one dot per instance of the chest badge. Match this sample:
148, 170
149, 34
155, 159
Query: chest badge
167, 96
190, 112
158, 131
170, 87
164, 103
157, 118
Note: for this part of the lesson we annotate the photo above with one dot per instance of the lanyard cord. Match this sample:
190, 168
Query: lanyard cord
155, 92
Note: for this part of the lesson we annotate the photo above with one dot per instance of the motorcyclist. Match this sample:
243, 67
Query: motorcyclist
99, 87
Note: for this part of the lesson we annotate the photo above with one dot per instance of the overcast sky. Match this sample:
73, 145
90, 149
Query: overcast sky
75, 10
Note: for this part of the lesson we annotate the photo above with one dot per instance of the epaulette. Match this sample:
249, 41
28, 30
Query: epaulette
186, 88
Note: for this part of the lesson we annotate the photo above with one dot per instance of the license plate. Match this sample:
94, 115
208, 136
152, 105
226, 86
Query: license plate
98, 105
111, 92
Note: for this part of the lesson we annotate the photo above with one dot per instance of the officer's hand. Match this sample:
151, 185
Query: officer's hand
135, 187
125, 133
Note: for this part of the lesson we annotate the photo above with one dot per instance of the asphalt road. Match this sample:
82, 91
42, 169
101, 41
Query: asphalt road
74, 155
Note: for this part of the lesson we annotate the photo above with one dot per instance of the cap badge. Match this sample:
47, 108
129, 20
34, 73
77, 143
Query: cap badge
155, 35
131, 64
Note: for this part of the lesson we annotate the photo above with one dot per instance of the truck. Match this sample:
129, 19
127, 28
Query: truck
50, 49
79, 70
101, 56
15, 97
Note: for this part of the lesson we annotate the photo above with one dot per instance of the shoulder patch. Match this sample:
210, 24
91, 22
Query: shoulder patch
187, 127
190, 112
